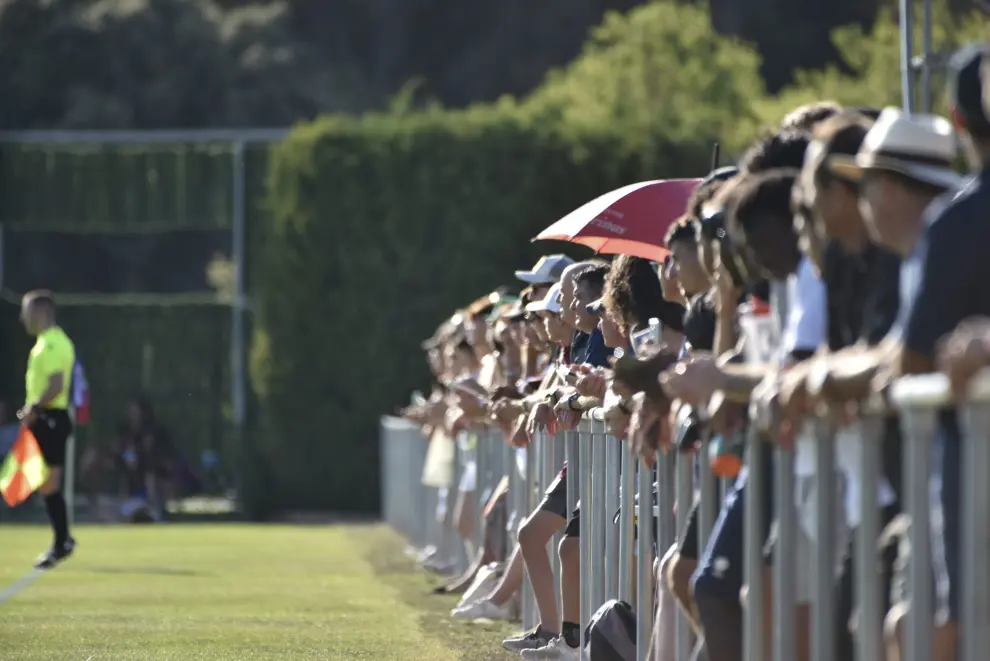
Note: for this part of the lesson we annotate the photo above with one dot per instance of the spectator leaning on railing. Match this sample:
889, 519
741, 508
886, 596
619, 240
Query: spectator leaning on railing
862, 292
580, 285
763, 244
509, 412
943, 283
842, 253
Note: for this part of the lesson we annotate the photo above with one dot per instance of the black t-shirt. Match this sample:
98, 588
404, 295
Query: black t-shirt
952, 266
671, 315
863, 298
862, 294
699, 322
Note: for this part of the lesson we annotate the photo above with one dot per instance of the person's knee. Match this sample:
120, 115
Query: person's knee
661, 566
678, 578
532, 534
892, 626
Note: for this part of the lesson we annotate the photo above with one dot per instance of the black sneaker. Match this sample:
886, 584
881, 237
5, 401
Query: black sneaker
531, 640
55, 555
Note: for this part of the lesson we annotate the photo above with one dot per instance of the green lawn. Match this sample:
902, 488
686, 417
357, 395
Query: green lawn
230, 592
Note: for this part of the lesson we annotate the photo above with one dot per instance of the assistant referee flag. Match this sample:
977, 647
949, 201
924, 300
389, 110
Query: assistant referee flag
24, 469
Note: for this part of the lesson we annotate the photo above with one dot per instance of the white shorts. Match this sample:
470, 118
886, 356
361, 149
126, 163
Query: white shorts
442, 504
469, 477
805, 489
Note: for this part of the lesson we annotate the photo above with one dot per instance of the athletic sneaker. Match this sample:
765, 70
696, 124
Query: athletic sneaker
55, 555
530, 640
555, 650
482, 610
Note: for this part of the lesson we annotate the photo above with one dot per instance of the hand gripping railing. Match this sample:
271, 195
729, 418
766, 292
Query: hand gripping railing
604, 475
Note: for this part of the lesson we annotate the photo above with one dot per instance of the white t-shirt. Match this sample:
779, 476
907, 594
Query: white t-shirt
805, 330
796, 322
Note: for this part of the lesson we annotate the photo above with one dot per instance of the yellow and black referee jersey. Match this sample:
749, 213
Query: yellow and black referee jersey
53, 353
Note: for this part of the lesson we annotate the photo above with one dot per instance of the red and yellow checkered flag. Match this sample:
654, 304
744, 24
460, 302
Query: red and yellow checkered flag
24, 469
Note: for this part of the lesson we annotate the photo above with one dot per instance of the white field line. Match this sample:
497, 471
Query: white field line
11, 590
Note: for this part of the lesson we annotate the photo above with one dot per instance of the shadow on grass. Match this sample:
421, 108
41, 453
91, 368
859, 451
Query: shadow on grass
383, 550
143, 571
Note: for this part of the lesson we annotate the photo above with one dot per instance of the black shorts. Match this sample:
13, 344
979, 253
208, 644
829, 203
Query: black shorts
555, 498
52, 429
573, 528
946, 519
846, 606
721, 566
687, 539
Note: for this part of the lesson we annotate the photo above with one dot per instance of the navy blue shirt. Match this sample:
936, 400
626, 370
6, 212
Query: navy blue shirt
952, 266
946, 280
944, 283
589, 349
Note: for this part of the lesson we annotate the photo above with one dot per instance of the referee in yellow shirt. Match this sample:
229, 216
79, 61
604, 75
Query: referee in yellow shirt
46, 412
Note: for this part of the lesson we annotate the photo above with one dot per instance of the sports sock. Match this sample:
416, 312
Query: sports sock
572, 633
55, 505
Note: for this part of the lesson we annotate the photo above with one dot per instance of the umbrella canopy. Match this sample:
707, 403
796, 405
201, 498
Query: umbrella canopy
631, 220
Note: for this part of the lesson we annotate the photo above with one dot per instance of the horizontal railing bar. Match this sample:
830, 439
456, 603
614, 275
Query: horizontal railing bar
932, 391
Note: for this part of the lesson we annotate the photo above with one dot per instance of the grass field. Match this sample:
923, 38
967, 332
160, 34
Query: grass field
230, 592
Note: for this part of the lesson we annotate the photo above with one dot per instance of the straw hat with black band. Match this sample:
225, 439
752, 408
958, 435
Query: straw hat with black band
919, 147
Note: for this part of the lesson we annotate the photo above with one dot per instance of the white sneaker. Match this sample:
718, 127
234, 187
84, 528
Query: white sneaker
482, 610
555, 650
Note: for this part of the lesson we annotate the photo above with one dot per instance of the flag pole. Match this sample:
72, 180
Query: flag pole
907, 54
70, 470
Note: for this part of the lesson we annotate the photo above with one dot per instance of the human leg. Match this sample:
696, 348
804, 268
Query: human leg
52, 430
718, 580
569, 552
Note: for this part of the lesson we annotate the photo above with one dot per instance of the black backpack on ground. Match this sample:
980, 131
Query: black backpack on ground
611, 634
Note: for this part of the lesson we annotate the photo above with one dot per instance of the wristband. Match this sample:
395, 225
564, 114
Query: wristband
572, 400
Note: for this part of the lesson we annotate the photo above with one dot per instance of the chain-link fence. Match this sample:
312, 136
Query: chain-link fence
143, 237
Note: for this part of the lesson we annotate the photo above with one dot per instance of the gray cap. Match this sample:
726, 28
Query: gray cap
547, 271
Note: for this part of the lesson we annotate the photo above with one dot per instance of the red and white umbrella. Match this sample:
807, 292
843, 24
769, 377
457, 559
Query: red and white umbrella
631, 220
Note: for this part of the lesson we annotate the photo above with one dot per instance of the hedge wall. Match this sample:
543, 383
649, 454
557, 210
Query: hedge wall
381, 226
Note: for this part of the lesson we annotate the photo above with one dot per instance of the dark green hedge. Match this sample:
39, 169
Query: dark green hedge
381, 227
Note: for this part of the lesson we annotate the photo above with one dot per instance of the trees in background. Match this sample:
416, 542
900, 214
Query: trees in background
185, 63
370, 216
163, 64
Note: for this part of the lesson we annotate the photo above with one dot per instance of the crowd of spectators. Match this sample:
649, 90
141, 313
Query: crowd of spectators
841, 252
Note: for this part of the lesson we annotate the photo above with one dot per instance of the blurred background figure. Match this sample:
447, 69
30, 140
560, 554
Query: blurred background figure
8, 428
134, 475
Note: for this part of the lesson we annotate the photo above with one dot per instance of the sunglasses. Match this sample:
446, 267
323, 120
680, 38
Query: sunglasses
736, 258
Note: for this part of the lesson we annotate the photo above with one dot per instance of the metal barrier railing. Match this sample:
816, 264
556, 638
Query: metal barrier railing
603, 475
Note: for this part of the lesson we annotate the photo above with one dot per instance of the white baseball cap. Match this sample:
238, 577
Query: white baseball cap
550, 302
546, 271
